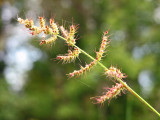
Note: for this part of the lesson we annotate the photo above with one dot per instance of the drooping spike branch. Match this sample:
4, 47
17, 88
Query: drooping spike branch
54, 27
105, 43
70, 56
47, 30
115, 73
111, 93
42, 22
30, 25
83, 70
50, 40
70, 37
64, 32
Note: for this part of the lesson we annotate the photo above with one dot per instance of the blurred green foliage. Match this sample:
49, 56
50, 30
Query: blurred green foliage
49, 95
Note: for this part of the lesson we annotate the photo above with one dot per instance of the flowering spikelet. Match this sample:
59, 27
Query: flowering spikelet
77, 73
21, 21
29, 24
47, 30
54, 27
64, 32
103, 46
73, 30
36, 30
111, 93
70, 57
42, 22
70, 37
50, 40
113, 72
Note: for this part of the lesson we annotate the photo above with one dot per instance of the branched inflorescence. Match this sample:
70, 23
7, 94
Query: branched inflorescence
52, 30
99, 55
69, 36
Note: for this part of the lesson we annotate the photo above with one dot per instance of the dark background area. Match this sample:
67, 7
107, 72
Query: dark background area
34, 87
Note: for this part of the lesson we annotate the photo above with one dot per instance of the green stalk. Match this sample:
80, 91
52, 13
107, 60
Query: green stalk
127, 87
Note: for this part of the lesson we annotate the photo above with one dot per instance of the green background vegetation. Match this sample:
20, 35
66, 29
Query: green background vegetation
47, 93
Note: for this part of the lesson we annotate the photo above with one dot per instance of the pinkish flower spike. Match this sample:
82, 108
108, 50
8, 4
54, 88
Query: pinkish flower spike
113, 72
83, 70
70, 56
54, 27
104, 45
111, 93
70, 37
50, 40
